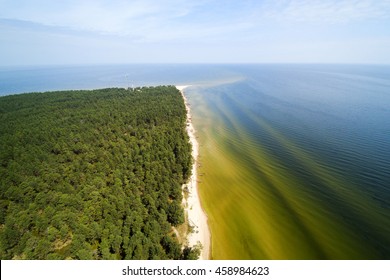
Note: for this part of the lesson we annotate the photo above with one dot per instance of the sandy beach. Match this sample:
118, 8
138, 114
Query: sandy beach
196, 216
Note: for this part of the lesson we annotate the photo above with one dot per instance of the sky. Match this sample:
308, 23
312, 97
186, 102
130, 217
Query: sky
47, 32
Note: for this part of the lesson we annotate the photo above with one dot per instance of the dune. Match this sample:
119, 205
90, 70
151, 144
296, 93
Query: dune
197, 218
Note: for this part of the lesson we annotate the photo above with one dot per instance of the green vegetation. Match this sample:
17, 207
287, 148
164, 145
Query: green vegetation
93, 174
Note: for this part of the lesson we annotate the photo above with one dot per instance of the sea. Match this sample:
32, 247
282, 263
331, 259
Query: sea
294, 158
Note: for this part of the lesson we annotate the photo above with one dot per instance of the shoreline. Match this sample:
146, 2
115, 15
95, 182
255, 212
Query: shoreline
197, 218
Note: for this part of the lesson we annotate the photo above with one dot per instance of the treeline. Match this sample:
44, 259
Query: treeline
93, 174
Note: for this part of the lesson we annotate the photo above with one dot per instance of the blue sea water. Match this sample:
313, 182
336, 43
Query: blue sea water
15, 80
326, 131
328, 125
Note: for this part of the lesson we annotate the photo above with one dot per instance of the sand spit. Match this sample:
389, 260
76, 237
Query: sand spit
196, 216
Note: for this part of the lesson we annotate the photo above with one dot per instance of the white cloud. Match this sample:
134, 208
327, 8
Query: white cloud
327, 11
104, 16
164, 30
140, 20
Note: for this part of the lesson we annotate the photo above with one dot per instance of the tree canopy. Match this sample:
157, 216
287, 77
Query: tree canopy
93, 174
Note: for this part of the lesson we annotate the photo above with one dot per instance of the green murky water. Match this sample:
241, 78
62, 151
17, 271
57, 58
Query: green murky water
295, 163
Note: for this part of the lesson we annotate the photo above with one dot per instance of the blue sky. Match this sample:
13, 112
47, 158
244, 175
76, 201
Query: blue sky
36, 32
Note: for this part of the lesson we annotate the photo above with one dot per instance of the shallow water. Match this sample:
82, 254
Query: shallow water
296, 162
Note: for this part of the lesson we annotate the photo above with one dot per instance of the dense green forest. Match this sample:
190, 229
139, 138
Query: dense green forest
93, 174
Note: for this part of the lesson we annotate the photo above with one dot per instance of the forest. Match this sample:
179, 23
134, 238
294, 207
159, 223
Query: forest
93, 174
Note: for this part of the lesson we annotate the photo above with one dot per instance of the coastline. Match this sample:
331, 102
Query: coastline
196, 216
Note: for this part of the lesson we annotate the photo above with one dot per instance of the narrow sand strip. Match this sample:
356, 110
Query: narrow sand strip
196, 216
